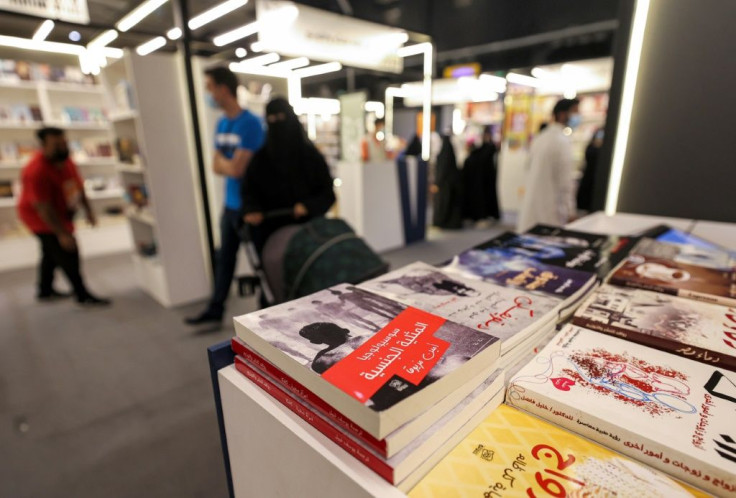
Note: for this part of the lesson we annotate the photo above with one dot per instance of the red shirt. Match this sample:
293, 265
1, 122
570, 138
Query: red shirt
60, 187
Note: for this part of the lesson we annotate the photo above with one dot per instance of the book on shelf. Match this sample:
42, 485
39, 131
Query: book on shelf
699, 331
512, 270
512, 453
678, 279
508, 313
691, 254
6, 189
387, 447
376, 361
666, 411
407, 463
609, 250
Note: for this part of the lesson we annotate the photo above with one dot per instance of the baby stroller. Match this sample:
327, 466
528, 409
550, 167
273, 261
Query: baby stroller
300, 259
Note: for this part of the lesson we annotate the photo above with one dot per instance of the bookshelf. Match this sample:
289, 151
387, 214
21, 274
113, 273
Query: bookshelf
77, 104
156, 166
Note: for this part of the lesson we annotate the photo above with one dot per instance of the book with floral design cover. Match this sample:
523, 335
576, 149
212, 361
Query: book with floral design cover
699, 331
508, 313
666, 411
512, 453
376, 361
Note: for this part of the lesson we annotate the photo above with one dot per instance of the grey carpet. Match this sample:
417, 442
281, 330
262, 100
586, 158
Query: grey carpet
117, 402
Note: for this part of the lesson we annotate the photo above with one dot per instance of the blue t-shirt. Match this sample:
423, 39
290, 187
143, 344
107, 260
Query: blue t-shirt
245, 131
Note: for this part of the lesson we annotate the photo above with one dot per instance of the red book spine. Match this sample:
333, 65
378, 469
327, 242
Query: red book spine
365, 457
300, 391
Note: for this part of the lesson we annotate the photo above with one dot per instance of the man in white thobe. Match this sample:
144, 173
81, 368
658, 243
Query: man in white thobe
549, 195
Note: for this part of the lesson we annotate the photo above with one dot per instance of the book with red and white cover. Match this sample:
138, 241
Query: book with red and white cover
435, 441
376, 361
669, 412
678, 279
699, 331
508, 313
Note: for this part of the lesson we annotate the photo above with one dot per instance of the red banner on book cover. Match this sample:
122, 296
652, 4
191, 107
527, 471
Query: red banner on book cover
406, 347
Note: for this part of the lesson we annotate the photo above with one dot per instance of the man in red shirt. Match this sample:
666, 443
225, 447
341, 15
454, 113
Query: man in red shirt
51, 191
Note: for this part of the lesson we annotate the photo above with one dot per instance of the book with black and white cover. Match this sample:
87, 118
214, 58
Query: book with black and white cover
504, 267
697, 255
678, 279
667, 411
610, 249
486, 397
505, 312
699, 331
376, 361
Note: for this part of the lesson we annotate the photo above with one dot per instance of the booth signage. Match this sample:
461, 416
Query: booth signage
296, 30
69, 10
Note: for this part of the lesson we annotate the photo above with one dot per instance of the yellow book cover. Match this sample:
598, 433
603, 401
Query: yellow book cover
514, 454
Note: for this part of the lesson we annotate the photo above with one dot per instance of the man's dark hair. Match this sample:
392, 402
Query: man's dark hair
380, 121
564, 105
223, 76
49, 131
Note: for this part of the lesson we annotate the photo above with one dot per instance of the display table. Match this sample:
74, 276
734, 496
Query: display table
272, 452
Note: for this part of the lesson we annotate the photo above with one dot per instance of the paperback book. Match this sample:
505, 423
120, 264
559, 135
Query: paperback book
666, 411
524, 273
485, 398
376, 361
699, 331
678, 279
512, 453
507, 313
685, 253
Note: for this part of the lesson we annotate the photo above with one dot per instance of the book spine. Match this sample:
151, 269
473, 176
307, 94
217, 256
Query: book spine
670, 461
366, 458
288, 383
695, 353
633, 284
707, 298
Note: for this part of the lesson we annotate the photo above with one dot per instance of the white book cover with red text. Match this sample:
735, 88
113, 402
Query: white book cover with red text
672, 413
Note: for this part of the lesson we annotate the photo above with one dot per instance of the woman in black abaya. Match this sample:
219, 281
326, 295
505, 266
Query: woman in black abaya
447, 212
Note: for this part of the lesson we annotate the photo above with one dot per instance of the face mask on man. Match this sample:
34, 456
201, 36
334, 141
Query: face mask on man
211, 102
574, 121
60, 155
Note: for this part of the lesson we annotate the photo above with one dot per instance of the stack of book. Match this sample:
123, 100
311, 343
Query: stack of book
395, 386
659, 383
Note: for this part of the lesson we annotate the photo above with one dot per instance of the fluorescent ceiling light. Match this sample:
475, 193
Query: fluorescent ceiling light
291, 64
43, 46
215, 12
174, 34
103, 39
138, 14
375, 107
43, 30
261, 60
240, 52
317, 70
522, 79
151, 45
256, 46
239, 67
236, 34
417, 49
113, 53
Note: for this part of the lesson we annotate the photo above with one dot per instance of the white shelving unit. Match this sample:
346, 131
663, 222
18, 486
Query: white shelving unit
149, 111
18, 248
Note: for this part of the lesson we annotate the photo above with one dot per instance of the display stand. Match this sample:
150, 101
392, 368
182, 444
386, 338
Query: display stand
78, 108
272, 452
151, 127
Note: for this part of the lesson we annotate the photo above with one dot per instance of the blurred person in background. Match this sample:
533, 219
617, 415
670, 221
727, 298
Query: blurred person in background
585, 188
480, 200
288, 173
238, 136
52, 191
374, 146
549, 194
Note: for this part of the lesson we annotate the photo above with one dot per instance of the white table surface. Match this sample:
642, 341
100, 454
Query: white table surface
274, 453
626, 223
723, 234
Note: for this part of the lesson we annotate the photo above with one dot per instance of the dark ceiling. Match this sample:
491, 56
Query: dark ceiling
453, 25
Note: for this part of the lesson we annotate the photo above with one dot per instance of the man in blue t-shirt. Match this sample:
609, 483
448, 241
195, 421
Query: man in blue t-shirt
239, 135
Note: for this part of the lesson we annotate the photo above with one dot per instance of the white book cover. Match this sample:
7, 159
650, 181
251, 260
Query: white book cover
508, 313
672, 413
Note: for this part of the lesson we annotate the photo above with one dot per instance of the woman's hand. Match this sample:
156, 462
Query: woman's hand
254, 219
300, 210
